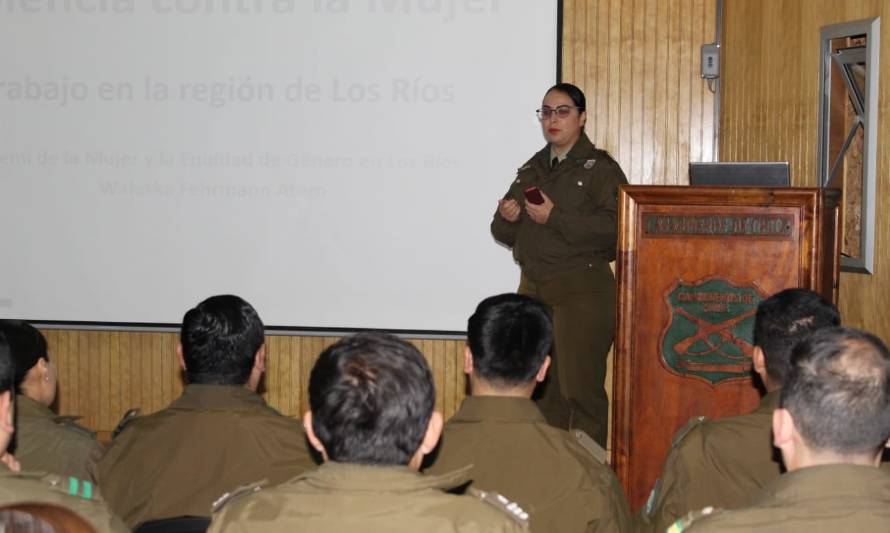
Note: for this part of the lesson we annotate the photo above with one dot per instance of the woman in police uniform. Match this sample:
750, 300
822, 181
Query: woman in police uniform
44, 441
563, 242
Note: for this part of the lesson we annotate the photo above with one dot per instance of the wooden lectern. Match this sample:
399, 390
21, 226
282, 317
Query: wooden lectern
693, 263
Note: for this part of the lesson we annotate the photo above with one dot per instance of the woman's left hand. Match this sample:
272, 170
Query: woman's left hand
540, 212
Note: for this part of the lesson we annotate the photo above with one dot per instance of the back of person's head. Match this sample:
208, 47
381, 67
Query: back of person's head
509, 336
7, 368
42, 518
220, 339
26, 344
838, 391
786, 318
371, 397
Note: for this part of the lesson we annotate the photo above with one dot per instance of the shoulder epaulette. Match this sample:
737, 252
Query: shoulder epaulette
126, 419
592, 446
274, 410
684, 522
604, 152
511, 509
683, 431
649, 508
69, 422
236, 494
72, 486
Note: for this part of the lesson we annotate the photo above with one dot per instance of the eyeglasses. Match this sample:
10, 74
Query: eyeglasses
561, 111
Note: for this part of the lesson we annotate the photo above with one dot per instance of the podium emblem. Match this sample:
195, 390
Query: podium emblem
711, 331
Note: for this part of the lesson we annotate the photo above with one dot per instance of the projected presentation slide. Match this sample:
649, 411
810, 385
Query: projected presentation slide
335, 163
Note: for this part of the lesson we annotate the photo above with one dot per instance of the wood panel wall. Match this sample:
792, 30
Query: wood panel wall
638, 62
770, 111
102, 374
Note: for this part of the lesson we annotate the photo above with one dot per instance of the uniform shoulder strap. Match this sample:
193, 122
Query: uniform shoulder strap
683, 431
683, 523
70, 485
502, 504
70, 423
274, 410
236, 494
678, 437
592, 446
128, 417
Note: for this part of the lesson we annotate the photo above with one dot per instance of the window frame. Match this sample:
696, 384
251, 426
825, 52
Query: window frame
870, 28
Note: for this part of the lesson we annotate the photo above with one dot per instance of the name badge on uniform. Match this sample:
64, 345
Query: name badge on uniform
589, 164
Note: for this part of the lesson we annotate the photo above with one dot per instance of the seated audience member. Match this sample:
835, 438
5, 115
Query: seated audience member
371, 417
724, 462
832, 424
44, 441
501, 431
218, 435
17, 487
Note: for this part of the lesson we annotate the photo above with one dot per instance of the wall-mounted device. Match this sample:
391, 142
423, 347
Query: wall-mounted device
710, 61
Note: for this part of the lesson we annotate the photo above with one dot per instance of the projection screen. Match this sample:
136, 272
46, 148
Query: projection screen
336, 163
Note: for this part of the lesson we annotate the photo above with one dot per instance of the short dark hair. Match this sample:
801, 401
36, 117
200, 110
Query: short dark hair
509, 336
838, 391
220, 339
26, 345
786, 318
573, 92
371, 396
7, 367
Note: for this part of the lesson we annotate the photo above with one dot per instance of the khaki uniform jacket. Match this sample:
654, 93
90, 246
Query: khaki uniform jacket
209, 441
721, 463
347, 498
817, 499
514, 452
79, 496
582, 226
45, 442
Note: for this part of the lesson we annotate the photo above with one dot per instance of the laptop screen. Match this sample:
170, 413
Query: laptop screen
743, 174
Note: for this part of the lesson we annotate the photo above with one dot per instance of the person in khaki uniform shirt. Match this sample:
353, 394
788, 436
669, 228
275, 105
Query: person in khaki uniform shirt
80, 496
563, 246
724, 463
371, 418
555, 476
832, 425
16, 486
218, 435
44, 441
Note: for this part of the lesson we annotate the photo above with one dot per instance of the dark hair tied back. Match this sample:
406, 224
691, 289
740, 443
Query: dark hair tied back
573, 92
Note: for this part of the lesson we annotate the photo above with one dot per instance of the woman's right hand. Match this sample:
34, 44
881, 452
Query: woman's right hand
508, 209
10, 461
